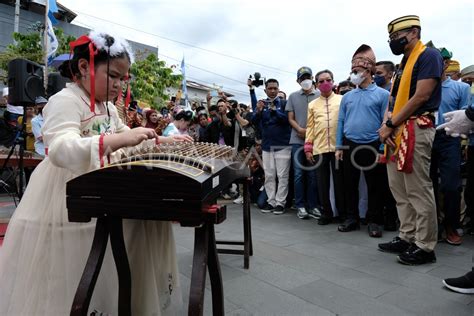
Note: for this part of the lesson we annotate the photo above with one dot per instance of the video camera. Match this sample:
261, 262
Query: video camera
257, 79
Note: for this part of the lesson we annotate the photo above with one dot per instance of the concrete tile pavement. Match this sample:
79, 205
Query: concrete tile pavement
300, 268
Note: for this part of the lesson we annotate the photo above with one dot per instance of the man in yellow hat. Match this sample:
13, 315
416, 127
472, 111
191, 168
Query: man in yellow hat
408, 132
454, 70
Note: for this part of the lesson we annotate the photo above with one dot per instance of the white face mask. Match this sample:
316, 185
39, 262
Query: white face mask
357, 79
306, 84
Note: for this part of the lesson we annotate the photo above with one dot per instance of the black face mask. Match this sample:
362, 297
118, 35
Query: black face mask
398, 46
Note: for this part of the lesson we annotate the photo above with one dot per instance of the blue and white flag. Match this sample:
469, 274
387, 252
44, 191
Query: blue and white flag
52, 42
53, 8
184, 88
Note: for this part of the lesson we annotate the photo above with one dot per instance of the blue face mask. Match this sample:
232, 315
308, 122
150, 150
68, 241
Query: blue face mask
380, 80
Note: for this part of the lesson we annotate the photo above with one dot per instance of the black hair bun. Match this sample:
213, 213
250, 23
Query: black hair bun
65, 69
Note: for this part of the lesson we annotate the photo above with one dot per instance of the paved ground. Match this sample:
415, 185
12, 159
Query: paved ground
300, 268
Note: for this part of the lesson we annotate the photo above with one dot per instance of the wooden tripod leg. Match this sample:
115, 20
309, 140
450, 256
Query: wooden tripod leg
215, 275
198, 276
123, 268
86, 286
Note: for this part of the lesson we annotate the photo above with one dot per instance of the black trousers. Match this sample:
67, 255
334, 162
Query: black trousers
469, 190
389, 203
445, 172
324, 164
357, 158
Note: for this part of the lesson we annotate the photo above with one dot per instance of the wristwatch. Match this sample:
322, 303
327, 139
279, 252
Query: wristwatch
390, 124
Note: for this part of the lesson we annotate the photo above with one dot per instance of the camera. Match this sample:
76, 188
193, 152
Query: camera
233, 104
257, 79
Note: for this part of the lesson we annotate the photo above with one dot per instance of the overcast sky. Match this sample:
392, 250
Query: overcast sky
279, 36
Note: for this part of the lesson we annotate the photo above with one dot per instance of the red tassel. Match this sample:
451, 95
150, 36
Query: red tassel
84, 39
92, 74
101, 150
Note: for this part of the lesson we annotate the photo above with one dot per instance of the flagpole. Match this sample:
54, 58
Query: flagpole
46, 43
16, 25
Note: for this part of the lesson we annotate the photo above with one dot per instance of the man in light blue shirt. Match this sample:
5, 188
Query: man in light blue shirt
446, 158
37, 124
357, 142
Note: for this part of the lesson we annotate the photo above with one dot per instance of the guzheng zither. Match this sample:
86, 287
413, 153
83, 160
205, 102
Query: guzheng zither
173, 177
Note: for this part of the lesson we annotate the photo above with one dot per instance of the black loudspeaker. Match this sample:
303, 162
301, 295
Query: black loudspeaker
56, 83
25, 81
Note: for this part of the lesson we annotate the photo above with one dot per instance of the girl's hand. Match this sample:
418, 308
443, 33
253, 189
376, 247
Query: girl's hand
182, 138
136, 135
175, 138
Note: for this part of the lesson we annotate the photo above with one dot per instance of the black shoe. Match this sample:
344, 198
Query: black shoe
323, 220
278, 210
363, 221
348, 225
268, 208
374, 230
416, 256
463, 284
397, 245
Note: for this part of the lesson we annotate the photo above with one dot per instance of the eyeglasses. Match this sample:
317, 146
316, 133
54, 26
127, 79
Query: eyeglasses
397, 35
355, 72
322, 81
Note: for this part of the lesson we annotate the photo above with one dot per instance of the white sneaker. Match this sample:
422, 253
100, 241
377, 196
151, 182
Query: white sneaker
239, 200
302, 214
314, 213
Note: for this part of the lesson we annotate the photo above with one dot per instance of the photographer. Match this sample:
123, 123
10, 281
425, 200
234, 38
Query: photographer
272, 119
219, 130
248, 130
236, 115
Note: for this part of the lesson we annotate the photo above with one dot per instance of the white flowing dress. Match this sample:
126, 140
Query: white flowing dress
43, 255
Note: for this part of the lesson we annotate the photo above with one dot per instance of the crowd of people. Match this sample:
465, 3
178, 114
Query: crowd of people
384, 135
364, 150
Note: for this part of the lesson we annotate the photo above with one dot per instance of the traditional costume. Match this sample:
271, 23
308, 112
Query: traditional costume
408, 164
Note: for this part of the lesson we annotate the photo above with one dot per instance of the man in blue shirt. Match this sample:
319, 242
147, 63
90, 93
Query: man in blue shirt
272, 120
461, 122
445, 155
357, 142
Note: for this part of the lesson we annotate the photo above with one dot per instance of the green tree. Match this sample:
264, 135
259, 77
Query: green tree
30, 45
150, 78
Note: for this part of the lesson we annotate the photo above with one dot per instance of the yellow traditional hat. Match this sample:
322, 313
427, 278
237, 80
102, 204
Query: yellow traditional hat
453, 66
403, 23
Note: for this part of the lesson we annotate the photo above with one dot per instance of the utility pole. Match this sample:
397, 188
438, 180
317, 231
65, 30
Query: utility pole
16, 25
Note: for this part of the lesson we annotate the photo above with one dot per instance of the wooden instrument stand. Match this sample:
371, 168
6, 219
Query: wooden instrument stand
205, 256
